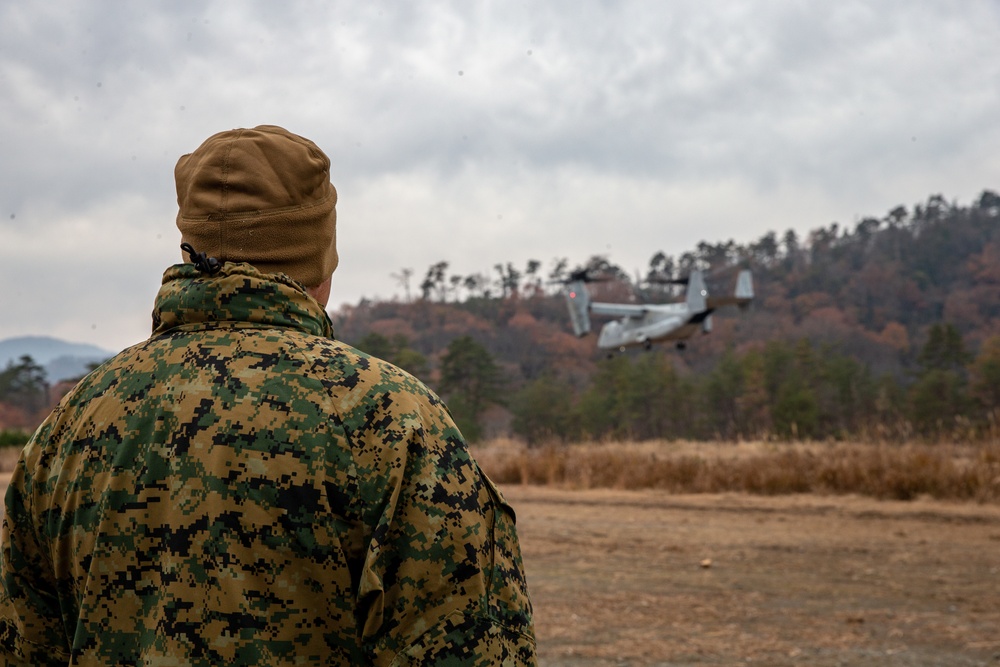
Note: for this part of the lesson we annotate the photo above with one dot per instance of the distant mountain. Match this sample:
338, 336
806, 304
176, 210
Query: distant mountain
61, 359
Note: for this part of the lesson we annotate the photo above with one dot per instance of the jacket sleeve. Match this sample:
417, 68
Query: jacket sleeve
443, 581
31, 630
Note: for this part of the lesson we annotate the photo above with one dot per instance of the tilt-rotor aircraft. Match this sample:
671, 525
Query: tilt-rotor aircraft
645, 324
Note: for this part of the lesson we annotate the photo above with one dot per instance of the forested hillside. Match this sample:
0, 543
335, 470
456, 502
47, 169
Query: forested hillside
889, 328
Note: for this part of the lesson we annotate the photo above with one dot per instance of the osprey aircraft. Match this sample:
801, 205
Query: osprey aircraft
645, 324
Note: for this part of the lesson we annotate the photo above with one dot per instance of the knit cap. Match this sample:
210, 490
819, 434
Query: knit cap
261, 196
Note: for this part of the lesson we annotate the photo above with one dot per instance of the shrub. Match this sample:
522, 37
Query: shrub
13, 438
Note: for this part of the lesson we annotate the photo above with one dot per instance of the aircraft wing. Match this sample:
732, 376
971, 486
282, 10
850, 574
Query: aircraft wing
617, 309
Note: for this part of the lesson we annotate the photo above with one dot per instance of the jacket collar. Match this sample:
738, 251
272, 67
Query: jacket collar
237, 296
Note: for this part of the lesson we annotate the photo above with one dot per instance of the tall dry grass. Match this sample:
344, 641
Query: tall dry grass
968, 472
8, 458
947, 471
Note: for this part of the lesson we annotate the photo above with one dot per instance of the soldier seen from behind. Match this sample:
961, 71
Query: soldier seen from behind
243, 489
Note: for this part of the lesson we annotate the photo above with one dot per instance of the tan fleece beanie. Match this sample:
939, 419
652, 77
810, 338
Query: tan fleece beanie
261, 196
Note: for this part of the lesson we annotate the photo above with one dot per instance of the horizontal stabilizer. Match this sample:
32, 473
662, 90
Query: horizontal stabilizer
741, 297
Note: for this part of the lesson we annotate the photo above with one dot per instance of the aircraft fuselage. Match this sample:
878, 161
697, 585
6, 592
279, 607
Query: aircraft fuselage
656, 323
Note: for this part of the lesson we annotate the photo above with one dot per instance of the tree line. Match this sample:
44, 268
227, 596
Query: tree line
23, 384
781, 390
921, 249
884, 328
784, 390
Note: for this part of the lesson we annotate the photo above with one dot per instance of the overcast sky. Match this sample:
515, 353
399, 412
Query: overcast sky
477, 132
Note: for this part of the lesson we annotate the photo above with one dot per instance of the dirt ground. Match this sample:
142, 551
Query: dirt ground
648, 578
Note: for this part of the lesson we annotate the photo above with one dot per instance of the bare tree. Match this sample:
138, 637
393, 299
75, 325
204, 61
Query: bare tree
403, 278
435, 281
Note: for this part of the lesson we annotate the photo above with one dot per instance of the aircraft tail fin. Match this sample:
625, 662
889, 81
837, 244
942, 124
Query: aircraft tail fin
578, 301
696, 292
744, 287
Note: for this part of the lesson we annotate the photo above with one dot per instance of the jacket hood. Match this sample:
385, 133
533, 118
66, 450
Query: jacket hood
237, 296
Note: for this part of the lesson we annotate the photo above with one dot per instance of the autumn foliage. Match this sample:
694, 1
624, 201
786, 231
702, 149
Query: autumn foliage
888, 331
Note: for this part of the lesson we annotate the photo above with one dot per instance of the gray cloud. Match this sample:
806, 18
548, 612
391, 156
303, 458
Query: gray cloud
480, 133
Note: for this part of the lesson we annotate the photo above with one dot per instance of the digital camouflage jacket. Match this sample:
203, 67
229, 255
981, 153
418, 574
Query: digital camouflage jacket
242, 489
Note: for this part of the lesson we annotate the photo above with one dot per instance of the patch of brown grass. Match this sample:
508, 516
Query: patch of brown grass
885, 471
8, 458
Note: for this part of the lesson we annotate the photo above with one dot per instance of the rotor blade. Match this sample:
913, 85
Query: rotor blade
665, 280
584, 276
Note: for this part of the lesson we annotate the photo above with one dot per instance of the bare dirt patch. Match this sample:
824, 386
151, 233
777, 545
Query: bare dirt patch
649, 578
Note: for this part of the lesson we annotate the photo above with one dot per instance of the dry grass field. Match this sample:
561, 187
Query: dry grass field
759, 553
650, 578
946, 471
756, 553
